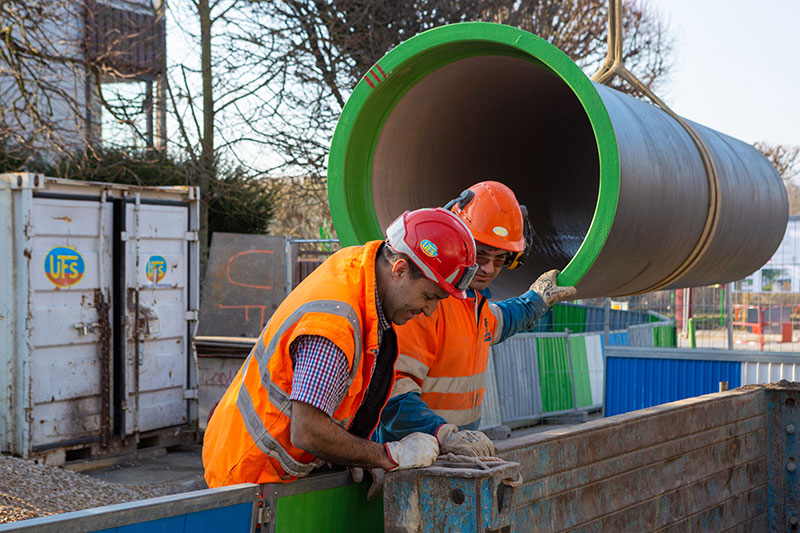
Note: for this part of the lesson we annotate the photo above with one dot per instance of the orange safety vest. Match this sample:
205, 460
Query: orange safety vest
444, 357
247, 439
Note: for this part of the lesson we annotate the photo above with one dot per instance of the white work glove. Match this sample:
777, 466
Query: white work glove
547, 288
467, 442
376, 488
413, 451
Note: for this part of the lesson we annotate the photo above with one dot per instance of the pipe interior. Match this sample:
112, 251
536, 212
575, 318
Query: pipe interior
500, 118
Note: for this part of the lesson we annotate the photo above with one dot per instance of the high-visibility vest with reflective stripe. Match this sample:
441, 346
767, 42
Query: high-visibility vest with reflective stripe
444, 357
247, 439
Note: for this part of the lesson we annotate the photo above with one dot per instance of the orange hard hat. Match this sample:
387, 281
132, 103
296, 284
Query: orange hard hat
440, 244
493, 215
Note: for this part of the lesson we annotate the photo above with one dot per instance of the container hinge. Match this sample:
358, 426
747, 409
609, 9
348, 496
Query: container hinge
123, 236
191, 314
192, 236
190, 394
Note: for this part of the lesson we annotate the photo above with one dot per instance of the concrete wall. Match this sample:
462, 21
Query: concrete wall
695, 465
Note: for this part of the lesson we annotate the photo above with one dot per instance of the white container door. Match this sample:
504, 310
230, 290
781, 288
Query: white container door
157, 303
69, 278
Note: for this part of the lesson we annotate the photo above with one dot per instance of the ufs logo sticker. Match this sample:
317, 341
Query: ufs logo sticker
64, 266
429, 248
156, 268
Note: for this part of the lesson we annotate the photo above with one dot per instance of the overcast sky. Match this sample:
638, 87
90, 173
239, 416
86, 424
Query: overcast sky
736, 66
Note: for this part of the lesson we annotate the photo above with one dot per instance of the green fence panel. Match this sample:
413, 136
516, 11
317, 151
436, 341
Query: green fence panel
555, 382
336, 509
570, 317
664, 336
580, 368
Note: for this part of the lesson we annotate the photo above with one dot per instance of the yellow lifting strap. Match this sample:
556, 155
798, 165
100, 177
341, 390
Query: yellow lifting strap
613, 66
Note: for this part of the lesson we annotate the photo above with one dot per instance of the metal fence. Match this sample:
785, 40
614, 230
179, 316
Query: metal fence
760, 312
722, 316
304, 256
543, 374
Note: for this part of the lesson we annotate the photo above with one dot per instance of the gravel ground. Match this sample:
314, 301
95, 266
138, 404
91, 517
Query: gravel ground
29, 490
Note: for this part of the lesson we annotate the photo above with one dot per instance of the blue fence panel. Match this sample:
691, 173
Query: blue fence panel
618, 338
230, 518
595, 318
635, 383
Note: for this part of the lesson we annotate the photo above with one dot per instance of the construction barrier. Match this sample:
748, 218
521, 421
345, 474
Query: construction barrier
637, 378
536, 375
761, 319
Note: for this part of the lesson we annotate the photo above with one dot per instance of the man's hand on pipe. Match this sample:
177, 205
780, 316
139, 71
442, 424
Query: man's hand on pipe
467, 442
547, 288
416, 450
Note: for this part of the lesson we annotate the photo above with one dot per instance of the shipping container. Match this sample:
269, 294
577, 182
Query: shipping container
98, 308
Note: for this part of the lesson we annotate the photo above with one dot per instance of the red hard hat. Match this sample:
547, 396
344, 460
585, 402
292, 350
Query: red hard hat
439, 243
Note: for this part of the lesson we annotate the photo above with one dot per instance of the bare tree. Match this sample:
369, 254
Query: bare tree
579, 28
786, 160
310, 54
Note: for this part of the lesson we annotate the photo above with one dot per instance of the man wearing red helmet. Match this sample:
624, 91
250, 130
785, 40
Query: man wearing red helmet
443, 357
312, 388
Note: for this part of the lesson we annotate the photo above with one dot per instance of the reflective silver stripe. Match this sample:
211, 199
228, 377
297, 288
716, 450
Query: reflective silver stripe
266, 442
277, 396
409, 365
498, 329
454, 384
460, 417
404, 385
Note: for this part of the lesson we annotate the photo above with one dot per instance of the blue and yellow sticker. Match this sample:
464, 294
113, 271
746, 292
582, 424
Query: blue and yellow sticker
64, 266
156, 268
429, 248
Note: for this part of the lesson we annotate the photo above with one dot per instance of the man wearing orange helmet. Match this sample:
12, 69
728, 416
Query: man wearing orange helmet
312, 388
441, 369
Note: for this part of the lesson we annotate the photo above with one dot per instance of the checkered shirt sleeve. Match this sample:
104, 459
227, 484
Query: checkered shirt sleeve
320, 372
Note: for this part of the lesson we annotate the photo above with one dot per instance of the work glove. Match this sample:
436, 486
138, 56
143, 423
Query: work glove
467, 442
376, 488
413, 451
549, 291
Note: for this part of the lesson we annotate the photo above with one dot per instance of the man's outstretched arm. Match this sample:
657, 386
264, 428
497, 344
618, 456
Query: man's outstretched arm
519, 313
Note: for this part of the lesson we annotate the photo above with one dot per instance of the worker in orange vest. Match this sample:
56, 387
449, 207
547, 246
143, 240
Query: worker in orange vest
312, 388
443, 357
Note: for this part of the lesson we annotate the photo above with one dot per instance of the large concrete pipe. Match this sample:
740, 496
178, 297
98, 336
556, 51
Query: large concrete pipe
616, 189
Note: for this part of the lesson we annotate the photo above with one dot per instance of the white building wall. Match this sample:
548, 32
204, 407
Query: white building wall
782, 272
54, 88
